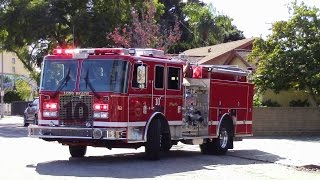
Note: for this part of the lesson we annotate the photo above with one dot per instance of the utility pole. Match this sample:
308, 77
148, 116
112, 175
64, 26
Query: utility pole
2, 88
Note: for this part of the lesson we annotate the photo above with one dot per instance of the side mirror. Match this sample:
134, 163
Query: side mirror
141, 75
30, 104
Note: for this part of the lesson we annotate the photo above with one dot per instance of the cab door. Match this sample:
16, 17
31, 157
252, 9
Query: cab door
140, 93
158, 91
173, 94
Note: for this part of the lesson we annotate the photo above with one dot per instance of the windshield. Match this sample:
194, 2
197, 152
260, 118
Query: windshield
104, 75
57, 73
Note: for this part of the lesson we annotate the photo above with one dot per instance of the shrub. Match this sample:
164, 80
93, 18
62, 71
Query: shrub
270, 103
299, 103
11, 96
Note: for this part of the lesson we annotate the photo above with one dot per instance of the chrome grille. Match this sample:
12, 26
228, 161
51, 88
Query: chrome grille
75, 110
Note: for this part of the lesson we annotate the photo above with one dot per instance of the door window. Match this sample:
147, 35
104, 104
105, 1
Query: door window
158, 77
174, 78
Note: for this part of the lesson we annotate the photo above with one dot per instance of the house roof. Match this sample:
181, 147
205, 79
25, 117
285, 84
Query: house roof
208, 53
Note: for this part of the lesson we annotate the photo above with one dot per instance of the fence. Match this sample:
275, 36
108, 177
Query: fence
282, 121
6, 109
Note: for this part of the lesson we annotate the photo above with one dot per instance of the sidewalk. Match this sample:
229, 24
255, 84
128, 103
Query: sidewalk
292, 151
11, 120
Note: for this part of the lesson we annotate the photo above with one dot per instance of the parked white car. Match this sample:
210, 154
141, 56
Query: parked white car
31, 113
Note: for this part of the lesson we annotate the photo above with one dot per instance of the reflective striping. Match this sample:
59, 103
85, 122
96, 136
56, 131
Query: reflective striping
48, 122
118, 124
109, 124
125, 124
243, 122
175, 123
213, 123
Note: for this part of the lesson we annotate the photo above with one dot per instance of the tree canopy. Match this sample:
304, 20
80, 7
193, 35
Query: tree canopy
32, 28
290, 56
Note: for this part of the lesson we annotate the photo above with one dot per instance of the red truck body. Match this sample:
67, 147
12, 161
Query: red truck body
114, 97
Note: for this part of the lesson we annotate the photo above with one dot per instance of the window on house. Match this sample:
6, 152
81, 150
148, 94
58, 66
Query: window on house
13, 69
135, 83
174, 78
13, 60
158, 79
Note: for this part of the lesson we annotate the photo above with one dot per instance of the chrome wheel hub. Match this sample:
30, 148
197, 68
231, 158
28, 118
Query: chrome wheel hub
223, 137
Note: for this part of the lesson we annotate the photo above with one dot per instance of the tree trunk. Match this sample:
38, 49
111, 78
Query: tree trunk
312, 98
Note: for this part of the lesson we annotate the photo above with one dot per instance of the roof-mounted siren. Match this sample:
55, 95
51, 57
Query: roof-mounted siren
146, 52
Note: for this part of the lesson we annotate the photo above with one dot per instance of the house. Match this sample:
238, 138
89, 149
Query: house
231, 53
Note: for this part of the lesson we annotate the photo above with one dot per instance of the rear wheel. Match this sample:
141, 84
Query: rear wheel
77, 151
152, 146
36, 119
220, 145
223, 142
25, 124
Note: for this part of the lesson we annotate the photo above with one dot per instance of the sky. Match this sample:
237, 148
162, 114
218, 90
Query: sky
255, 17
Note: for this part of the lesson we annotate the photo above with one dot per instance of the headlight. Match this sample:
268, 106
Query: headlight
102, 115
50, 113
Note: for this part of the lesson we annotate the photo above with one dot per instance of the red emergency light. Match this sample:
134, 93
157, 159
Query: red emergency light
96, 51
65, 51
101, 107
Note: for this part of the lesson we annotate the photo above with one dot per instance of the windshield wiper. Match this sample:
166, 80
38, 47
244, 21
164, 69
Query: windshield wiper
62, 83
88, 83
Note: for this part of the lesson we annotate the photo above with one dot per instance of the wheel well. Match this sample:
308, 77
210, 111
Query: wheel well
227, 119
164, 124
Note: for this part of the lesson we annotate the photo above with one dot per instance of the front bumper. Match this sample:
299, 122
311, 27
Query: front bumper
54, 132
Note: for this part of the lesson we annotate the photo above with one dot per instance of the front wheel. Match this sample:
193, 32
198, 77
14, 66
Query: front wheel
77, 151
152, 146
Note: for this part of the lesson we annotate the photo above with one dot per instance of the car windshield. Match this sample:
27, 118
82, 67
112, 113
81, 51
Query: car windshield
104, 75
59, 75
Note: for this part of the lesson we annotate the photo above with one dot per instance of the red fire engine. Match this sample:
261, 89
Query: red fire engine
128, 98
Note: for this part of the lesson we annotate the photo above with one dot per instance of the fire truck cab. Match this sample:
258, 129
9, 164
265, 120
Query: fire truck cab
128, 98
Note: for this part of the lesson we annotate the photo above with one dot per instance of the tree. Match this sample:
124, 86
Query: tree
290, 56
208, 27
11, 96
32, 28
145, 31
23, 89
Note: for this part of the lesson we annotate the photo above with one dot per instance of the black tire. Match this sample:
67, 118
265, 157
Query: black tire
204, 148
77, 151
152, 146
36, 119
25, 124
220, 145
223, 142
166, 143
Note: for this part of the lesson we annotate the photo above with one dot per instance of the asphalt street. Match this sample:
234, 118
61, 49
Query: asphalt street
22, 157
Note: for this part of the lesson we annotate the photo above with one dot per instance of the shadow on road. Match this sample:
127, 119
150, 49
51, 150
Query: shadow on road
133, 165
13, 130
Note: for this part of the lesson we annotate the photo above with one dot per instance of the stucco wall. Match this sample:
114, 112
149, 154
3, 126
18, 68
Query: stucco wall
282, 121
